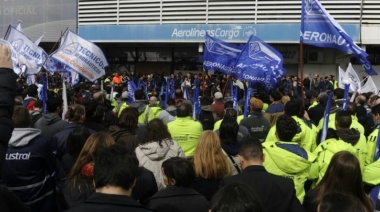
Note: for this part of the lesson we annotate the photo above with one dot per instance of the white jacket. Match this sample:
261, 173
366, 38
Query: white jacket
151, 156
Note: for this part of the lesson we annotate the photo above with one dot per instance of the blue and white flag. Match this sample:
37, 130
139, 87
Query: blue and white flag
326, 117
167, 80
81, 56
318, 28
131, 91
29, 54
261, 63
220, 55
247, 98
52, 65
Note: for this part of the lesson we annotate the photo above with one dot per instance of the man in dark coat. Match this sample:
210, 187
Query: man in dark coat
178, 196
275, 193
114, 178
8, 200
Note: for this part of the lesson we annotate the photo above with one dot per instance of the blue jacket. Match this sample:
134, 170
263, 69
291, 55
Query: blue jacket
28, 169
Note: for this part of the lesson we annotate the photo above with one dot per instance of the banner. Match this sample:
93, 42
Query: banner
29, 54
369, 86
318, 28
196, 103
220, 55
81, 56
259, 62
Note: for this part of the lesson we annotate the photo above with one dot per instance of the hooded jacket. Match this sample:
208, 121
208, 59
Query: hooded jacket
357, 140
141, 106
306, 137
29, 163
289, 160
50, 124
325, 151
151, 156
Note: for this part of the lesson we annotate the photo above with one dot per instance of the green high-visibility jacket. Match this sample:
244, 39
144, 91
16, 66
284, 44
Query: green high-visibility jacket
186, 132
289, 160
306, 138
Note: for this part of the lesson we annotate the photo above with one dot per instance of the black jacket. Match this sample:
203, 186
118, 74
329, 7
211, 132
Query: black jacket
275, 193
110, 203
7, 93
178, 199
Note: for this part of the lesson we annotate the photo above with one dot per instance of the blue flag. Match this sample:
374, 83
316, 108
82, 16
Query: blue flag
318, 28
196, 103
261, 63
345, 96
326, 118
131, 91
220, 55
247, 98
44, 97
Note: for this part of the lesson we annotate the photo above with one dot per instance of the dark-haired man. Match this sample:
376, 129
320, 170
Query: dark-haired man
287, 158
178, 176
257, 125
185, 130
115, 175
275, 193
51, 123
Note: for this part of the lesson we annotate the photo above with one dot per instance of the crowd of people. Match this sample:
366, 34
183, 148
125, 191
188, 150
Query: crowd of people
149, 154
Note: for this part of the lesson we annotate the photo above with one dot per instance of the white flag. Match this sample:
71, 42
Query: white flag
342, 78
369, 86
81, 56
30, 54
353, 78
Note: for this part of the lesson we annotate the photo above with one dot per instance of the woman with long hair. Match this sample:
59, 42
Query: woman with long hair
231, 136
342, 175
157, 147
79, 183
210, 164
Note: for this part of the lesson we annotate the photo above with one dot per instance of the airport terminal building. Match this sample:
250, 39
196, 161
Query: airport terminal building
168, 35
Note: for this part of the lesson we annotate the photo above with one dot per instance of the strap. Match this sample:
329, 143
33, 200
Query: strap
234, 163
